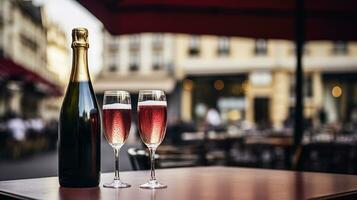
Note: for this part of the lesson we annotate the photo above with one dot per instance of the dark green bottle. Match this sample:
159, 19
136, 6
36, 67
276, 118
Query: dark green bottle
79, 123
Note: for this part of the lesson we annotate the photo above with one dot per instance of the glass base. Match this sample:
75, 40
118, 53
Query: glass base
116, 184
153, 184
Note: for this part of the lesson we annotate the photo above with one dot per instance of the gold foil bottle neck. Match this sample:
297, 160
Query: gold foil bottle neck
80, 37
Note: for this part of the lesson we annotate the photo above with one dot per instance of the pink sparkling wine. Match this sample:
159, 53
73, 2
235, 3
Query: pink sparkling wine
117, 121
152, 122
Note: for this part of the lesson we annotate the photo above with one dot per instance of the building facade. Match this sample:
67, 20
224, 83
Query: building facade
58, 52
136, 62
25, 79
245, 79
58, 63
253, 79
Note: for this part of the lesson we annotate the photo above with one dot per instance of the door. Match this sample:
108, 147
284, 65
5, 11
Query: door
261, 112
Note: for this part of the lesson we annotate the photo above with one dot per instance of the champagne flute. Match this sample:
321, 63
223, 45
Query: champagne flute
152, 127
117, 121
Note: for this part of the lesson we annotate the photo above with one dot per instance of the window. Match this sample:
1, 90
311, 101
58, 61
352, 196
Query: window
29, 43
113, 48
134, 42
113, 68
340, 48
194, 46
261, 47
157, 41
134, 60
223, 46
170, 68
157, 63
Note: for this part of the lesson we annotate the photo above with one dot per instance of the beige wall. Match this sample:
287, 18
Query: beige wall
279, 61
280, 98
121, 56
45, 58
186, 105
118, 51
58, 54
17, 26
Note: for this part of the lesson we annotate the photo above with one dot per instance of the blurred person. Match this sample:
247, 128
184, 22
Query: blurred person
213, 118
37, 124
246, 125
17, 128
322, 116
213, 121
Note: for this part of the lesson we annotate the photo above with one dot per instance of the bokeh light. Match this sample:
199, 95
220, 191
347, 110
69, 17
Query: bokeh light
336, 91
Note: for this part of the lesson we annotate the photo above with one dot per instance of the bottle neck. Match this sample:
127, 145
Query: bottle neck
80, 70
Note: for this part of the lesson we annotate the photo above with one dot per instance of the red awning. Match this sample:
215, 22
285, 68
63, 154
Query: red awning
325, 19
10, 70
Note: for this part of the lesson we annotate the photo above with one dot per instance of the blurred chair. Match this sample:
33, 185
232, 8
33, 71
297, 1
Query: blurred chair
176, 130
181, 156
139, 159
332, 157
166, 157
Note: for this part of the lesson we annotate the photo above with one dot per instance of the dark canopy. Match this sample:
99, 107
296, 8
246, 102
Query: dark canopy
325, 19
10, 70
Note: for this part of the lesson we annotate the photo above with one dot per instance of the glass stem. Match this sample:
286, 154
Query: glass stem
152, 163
116, 155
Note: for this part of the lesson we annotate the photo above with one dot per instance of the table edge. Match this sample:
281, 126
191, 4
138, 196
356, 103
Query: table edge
352, 194
13, 196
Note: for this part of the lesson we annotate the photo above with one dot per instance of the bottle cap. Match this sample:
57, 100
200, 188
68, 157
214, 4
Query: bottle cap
80, 37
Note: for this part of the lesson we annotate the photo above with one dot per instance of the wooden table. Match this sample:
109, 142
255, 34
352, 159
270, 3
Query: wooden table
198, 183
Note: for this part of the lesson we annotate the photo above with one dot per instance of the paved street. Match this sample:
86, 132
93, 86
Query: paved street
45, 164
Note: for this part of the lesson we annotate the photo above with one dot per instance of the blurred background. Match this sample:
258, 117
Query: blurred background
231, 100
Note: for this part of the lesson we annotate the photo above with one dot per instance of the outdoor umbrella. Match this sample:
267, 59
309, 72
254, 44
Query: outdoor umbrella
324, 19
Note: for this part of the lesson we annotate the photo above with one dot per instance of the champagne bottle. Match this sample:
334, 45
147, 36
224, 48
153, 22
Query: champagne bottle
79, 123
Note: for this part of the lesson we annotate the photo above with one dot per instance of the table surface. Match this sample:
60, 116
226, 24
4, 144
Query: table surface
196, 183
